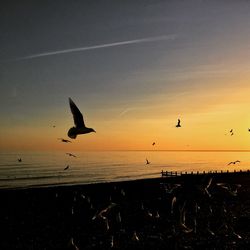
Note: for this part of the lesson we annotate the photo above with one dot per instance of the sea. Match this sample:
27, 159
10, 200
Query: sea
42, 169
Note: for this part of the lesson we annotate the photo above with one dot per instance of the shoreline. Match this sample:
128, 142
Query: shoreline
163, 175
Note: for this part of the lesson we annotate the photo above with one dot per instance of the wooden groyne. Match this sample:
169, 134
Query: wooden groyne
188, 173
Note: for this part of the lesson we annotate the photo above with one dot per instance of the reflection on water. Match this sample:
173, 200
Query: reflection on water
40, 168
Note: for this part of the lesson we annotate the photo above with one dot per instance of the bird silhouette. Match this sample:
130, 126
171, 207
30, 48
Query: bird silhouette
80, 127
153, 143
178, 124
67, 167
233, 162
64, 140
249, 130
69, 154
147, 162
19, 160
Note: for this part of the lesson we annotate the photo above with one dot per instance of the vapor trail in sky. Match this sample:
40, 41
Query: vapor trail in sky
100, 46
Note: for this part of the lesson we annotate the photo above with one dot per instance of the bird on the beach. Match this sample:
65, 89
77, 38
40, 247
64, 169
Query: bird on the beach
80, 127
231, 189
64, 140
111, 241
178, 124
147, 162
233, 162
72, 245
69, 154
19, 160
153, 143
103, 211
135, 237
173, 204
67, 167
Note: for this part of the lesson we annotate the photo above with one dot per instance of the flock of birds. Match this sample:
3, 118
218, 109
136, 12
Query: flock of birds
80, 128
193, 209
177, 216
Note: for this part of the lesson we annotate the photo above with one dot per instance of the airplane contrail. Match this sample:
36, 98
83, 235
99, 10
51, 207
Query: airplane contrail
100, 46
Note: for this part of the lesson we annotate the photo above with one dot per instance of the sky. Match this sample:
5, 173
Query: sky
132, 67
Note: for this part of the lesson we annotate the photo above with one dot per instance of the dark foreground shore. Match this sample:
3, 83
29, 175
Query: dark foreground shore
187, 212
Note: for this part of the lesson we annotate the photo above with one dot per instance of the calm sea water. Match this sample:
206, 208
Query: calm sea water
45, 169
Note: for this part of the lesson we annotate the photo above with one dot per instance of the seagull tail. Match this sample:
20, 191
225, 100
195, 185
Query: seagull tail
72, 133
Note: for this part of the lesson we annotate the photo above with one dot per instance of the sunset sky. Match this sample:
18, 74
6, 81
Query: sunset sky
132, 67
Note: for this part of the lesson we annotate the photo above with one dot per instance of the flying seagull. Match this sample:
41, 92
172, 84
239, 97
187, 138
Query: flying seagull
69, 154
153, 143
19, 159
178, 124
147, 162
64, 140
233, 162
80, 127
67, 167
249, 130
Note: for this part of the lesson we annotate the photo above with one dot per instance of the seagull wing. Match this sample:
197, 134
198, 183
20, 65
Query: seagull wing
77, 115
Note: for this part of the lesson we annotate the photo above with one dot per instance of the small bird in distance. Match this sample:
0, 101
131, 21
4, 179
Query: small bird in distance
19, 160
64, 140
69, 154
67, 167
233, 162
147, 162
153, 143
178, 124
80, 127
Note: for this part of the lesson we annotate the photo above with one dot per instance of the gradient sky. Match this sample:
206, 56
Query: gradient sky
131, 94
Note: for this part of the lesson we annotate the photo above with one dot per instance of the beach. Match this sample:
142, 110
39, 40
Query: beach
210, 211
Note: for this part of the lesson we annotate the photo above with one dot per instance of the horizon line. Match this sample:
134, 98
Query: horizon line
138, 150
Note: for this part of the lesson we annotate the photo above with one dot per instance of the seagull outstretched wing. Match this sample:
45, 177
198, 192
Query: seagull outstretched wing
77, 115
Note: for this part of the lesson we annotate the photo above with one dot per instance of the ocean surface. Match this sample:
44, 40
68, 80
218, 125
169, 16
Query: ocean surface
47, 168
